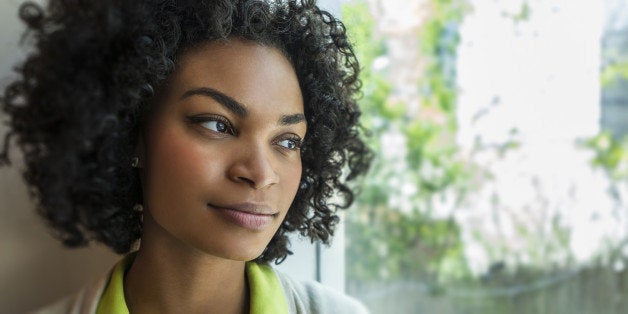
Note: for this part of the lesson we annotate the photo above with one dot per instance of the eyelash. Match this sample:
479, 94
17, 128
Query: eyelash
291, 137
230, 130
205, 119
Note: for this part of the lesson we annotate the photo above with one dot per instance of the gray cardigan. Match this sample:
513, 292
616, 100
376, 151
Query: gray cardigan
302, 297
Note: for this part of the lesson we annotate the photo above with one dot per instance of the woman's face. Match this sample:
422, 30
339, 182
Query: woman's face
221, 161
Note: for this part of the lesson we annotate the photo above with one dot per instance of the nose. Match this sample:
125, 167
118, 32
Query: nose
252, 165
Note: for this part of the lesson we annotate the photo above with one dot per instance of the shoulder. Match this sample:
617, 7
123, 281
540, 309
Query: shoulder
83, 301
313, 297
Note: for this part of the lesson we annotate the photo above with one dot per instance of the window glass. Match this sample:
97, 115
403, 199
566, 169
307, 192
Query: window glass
500, 183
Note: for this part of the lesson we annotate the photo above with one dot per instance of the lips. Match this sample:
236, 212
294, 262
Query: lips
253, 216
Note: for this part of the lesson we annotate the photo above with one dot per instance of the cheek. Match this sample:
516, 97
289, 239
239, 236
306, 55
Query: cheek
181, 158
176, 165
291, 179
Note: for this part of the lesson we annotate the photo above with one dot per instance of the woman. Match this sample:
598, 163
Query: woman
208, 130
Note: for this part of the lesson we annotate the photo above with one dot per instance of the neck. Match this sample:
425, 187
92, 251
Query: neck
171, 277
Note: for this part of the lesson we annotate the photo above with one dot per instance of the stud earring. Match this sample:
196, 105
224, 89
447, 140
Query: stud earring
140, 209
135, 162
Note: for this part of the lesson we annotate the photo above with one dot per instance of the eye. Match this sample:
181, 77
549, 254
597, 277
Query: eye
292, 143
213, 123
217, 126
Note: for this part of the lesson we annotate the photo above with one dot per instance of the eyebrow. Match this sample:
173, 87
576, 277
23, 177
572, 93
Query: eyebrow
236, 107
224, 100
292, 119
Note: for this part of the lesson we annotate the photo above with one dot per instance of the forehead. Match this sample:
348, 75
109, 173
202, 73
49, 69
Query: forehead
256, 75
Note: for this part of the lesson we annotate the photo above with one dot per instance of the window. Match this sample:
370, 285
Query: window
495, 188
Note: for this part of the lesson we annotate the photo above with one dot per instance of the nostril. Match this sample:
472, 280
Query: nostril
247, 180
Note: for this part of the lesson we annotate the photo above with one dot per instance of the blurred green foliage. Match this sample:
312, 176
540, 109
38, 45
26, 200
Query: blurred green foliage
393, 231
613, 73
524, 14
611, 155
611, 150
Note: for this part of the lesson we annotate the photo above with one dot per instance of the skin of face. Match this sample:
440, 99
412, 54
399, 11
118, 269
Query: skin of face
222, 144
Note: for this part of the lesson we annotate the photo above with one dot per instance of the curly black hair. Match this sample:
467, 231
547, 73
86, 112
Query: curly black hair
77, 107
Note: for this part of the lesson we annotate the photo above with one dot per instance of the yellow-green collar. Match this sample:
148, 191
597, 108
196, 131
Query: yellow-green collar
112, 300
265, 290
